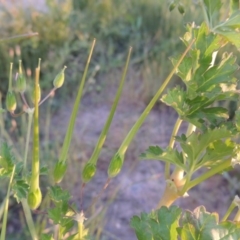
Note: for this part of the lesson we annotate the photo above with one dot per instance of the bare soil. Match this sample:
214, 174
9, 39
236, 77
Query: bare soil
141, 183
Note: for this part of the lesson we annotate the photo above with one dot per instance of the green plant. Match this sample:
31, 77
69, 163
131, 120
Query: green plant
210, 142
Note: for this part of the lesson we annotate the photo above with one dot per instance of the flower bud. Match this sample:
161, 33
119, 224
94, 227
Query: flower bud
88, 172
59, 79
115, 166
59, 171
11, 102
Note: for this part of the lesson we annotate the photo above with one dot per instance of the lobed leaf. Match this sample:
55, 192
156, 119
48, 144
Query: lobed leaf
162, 224
167, 155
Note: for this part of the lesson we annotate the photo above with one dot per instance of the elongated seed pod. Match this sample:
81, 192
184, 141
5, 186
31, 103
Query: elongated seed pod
38, 90
34, 194
172, 6
115, 166
21, 83
11, 102
34, 198
88, 172
181, 8
59, 171
59, 79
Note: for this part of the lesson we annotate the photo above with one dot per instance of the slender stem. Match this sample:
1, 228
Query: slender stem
10, 78
29, 219
213, 171
237, 216
80, 230
229, 211
171, 145
24, 99
26, 35
205, 14
131, 134
103, 134
1, 117
30, 117
68, 137
4, 223
49, 94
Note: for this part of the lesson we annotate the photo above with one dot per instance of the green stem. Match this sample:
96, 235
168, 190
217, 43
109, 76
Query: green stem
26, 35
171, 144
103, 135
10, 78
213, 171
29, 220
229, 211
131, 134
170, 195
1, 117
237, 216
68, 136
4, 223
80, 230
205, 14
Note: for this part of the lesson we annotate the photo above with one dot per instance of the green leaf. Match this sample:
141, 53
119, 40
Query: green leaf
216, 152
214, 76
46, 237
58, 195
234, 6
232, 22
20, 189
167, 155
66, 225
55, 214
206, 42
6, 158
44, 170
195, 145
2, 110
201, 224
162, 224
212, 9
231, 36
176, 98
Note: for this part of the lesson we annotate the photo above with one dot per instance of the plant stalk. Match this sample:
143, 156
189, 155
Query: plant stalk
171, 144
213, 171
131, 134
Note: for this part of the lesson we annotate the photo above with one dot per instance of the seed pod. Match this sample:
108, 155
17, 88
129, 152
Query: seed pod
59, 79
88, 172
172, 6
59, 171
34, 198
115, 166
38, 94
11, 102
21, 83
181, 8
